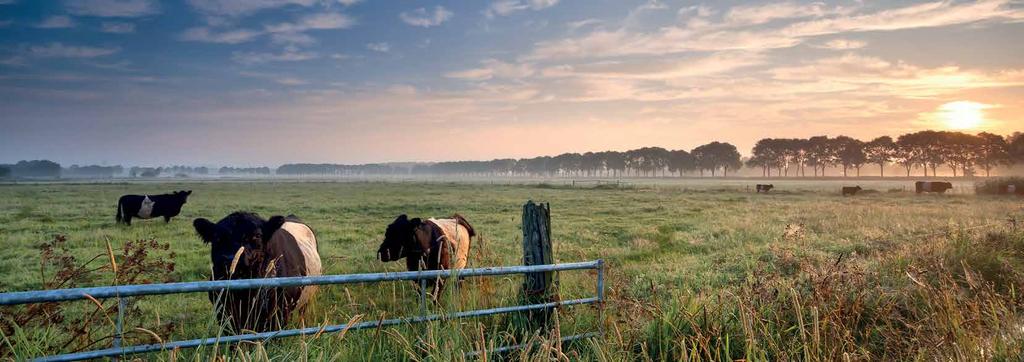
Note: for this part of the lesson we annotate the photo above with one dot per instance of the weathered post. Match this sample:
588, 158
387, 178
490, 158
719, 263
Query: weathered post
538, 287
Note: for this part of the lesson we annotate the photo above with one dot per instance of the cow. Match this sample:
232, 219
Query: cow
245, 246
929, 186
150, 206
847, 190
432, 244
764, 188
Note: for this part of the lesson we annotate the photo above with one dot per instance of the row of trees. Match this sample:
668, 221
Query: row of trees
244, 171
963, 153
713, 158
34, 168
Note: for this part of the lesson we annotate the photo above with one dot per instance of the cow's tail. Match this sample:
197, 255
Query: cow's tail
118, 217
462, 221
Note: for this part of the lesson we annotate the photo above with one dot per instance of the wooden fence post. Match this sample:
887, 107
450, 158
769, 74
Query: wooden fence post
538, 287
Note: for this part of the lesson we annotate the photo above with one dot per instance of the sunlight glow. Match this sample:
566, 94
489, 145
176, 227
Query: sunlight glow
962, 115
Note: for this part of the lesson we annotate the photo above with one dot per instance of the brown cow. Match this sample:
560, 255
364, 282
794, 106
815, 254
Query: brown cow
432, 244
851, 191
928, 186
244, 246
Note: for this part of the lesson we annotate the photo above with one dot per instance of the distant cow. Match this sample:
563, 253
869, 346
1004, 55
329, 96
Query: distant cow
244, 246
764, 188
847, 190
927, 186
150, 206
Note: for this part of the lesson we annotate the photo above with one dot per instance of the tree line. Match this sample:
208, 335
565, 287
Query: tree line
964, 154
713, 158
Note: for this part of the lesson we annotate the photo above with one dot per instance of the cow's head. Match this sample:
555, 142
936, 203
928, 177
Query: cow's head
183, 195
228, 236
399, 239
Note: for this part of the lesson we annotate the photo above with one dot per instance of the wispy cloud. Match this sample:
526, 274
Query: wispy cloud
576, 25
290, 54
59, 50
507, 7
733, 32
319, 21
57, 22
207, 35
842, 44
292, 39
117, 28
492, 68
426, 19
113, 8
236, 8
381, 47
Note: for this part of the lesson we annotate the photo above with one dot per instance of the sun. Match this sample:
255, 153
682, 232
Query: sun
962, 114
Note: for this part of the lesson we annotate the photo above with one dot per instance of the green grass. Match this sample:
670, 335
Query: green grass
672, 247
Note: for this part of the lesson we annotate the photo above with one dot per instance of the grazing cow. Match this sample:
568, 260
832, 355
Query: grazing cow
765, 188
150, 206
432, 244
851, 190
244, 246
927, 186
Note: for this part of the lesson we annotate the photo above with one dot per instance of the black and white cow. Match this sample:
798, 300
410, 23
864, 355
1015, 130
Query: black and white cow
150, 206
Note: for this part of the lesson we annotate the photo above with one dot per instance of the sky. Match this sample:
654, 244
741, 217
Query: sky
267, 82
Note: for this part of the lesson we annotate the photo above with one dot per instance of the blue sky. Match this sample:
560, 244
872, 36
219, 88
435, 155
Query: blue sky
266, 82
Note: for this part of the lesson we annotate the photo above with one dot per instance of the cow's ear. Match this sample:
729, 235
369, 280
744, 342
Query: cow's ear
189, 192
402, 218
207, 230
415, 222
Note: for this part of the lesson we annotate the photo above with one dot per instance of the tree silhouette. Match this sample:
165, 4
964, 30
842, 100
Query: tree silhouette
880, 151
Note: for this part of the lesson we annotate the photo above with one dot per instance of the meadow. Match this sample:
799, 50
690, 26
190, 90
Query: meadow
698, 270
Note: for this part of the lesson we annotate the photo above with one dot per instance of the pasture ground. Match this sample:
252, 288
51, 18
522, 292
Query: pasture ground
676, 250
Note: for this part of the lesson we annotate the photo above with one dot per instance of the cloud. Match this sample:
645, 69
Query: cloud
59, 50
113, 8
117, 28
290, 54
421, 17
319, 21
292, 39
57, 22
205, 35
842, 44
237, 8
576, 25
492, 68
381, 47
735, 32
506, 7
760, 14
290, 81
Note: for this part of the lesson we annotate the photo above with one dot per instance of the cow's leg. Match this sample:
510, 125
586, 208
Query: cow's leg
128, 220
167, 219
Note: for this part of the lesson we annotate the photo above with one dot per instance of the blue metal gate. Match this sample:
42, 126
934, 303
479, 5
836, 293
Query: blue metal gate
123, 291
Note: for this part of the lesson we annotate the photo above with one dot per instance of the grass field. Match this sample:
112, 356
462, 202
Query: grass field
698, 269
